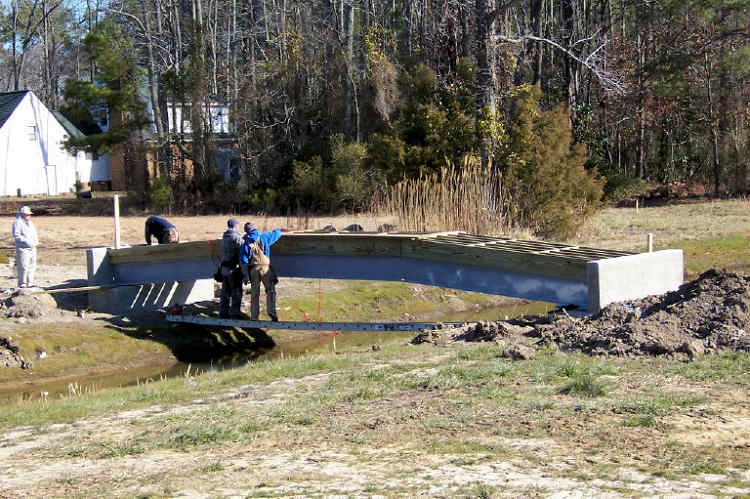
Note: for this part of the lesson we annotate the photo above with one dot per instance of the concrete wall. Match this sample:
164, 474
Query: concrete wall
129, 297
633, 276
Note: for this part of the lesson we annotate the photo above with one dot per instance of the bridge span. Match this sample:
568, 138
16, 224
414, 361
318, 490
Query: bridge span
149, 277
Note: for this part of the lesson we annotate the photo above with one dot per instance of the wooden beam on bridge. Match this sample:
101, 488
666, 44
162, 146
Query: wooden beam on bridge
537, 257
313, 326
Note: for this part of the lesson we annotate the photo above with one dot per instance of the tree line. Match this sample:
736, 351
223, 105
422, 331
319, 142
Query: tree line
333, 100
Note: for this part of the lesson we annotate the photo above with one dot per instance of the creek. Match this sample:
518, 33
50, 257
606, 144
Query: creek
290, 346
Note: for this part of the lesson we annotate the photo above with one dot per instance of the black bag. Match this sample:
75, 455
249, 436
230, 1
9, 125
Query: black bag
217, 274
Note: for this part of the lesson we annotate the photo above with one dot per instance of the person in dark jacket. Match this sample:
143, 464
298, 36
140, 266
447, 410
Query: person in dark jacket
162, 229
258, 269
229, 268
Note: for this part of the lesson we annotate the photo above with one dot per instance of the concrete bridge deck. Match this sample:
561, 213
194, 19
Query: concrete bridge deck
563, 274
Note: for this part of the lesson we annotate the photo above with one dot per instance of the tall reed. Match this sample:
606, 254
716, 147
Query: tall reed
463, 198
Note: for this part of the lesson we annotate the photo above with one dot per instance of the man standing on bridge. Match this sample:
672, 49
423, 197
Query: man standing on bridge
229, 268
255, 260
26, 241
162, 229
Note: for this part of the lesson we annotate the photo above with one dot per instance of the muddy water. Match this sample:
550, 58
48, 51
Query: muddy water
287, 345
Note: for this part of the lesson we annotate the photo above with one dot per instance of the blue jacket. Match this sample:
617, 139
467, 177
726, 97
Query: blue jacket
158, 227
266, 240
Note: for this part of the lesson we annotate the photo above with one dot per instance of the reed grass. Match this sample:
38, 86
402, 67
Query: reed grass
461, 198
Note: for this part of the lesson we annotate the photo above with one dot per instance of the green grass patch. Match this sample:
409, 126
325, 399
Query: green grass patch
640, 421
459, 375
553, 367
585, 385
697, 466
373, 300
734, 366
481, 352
731, 252
657, 406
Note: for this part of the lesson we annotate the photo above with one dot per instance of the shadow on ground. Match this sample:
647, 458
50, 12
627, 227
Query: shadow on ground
194, 342
70, 300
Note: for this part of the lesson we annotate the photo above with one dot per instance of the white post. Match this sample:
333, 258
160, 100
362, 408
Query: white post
116, 201
650, 242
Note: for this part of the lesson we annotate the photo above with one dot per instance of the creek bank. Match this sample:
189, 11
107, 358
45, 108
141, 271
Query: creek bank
707, 315
69, 344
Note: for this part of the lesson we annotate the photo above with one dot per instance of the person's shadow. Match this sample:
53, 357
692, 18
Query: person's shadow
196, 342
188, 342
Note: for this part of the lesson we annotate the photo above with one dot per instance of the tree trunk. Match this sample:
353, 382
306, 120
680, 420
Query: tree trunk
486, 78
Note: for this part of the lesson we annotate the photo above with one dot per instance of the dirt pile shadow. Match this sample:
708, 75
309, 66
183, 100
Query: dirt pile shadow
194, 342
707, 315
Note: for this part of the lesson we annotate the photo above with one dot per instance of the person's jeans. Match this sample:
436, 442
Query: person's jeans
266, 275
25, 266
231, 292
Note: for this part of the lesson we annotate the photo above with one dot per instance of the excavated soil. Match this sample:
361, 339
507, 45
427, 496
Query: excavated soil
29, 305
707, 315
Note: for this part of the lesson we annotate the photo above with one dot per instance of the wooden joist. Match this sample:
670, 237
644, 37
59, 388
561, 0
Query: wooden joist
535, 257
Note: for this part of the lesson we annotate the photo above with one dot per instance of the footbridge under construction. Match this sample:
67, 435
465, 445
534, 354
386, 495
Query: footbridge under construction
139, 278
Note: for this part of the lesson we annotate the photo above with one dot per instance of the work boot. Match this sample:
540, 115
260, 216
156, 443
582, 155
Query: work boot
273, 317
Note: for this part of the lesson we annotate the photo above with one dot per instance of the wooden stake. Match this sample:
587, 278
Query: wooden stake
650, 242
636, 205
116, 202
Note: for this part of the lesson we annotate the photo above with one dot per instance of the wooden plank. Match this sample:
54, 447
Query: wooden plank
339, 245
166, 252
522, 262
536, 257
312, 326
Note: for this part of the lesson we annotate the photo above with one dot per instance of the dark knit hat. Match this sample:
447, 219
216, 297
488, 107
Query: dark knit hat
249, 226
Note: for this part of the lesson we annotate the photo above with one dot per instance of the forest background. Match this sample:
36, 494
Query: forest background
525, 113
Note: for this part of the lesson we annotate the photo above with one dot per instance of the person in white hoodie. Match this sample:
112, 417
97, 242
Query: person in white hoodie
26, 241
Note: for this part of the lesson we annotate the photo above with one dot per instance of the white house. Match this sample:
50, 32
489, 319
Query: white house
32, 158
179, 117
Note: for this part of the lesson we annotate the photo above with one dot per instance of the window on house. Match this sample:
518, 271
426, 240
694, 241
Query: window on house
32, 133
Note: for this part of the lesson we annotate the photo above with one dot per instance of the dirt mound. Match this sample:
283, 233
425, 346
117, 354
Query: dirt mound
10, 355
709, 314
30, 306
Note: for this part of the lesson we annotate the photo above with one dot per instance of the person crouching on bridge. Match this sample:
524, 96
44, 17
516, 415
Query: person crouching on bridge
162, 229
255, 260
229, 268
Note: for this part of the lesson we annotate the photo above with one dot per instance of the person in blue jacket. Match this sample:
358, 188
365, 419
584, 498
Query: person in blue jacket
255, 261
162, 229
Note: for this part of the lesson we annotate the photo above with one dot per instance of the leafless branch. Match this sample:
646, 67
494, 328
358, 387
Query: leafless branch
591, 61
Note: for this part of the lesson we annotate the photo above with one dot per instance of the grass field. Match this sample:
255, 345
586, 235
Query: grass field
401, 420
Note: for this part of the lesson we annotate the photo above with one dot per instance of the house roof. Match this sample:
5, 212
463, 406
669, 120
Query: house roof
10, 100
8, 103
69, 127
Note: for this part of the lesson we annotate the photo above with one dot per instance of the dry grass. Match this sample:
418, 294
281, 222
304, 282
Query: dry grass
453, 199
627, 228
65, 238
